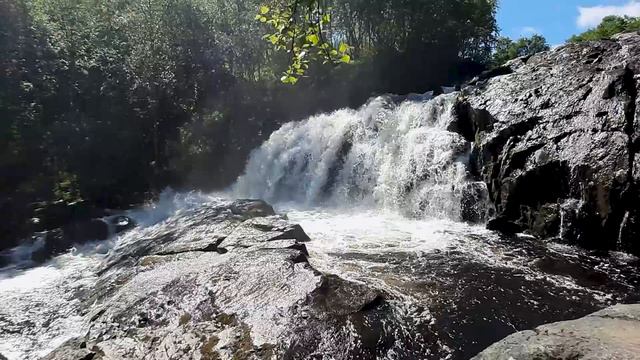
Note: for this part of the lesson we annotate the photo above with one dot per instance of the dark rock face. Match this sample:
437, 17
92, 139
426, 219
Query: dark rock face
556, 137
222, 280
57, 214
57, 241
613, 333
56, 227
21, 220
472, 208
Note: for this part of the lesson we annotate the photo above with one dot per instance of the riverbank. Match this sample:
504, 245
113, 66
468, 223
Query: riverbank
204, 277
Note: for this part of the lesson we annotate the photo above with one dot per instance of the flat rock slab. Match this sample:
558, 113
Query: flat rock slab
613, 333
223, 280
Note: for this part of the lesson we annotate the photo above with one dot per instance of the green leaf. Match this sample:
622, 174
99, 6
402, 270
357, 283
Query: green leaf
263, 19
313, 39
343, 47
346, 59
288, 79
264, 9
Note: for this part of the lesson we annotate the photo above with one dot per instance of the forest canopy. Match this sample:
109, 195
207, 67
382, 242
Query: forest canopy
333, 29
507, 49
107, 102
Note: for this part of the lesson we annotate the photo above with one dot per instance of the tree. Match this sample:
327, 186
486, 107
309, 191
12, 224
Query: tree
301, 29
609, 26
391, 32
109, 101
467, 26
507, 49
96, 89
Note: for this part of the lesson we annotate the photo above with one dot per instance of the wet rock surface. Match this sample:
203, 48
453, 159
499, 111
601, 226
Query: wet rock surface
223, 280
451, 304
556, 142
44, 245
613, 333
210, 281
57, 241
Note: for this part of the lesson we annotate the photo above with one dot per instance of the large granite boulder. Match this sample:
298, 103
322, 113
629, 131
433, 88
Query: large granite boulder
223, 280
613, 333
555, 139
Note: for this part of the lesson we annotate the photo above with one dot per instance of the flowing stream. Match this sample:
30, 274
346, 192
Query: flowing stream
385, 194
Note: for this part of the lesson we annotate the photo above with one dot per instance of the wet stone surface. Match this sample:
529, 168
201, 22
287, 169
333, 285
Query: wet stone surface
453, 293
209, 281
555, 140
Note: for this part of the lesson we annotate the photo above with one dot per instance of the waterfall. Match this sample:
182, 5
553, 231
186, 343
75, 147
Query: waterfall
390, 154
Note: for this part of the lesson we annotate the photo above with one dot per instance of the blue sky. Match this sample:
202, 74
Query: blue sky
557, 20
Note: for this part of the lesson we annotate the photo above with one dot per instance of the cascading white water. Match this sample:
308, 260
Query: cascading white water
349, 179
386, 195
396, 156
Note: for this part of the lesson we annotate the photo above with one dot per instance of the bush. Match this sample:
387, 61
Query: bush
609, 26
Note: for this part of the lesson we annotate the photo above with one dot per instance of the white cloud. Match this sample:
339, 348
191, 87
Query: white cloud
528, 31
592, 16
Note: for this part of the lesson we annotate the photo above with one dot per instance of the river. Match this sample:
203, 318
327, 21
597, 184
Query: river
387, 196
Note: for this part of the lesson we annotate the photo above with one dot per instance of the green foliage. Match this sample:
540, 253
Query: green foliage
507, 49
197, 137
66, 188
110, 100
96, 89
419, 36
467, 27
609, 26
301, 31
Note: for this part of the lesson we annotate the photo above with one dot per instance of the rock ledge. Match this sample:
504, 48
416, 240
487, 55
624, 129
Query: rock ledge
613, 333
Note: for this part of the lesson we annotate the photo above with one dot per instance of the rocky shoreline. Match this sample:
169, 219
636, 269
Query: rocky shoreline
245, 290
232, 280
613, 333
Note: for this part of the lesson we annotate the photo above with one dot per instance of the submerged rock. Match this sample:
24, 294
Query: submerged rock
613, 333
554, 139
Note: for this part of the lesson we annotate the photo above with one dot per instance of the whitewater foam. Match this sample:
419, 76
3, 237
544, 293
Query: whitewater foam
389, 155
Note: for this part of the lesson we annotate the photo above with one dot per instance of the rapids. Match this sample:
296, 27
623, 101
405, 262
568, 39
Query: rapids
386, 195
